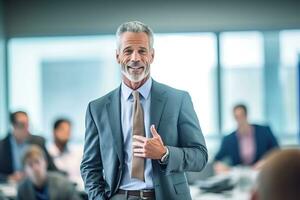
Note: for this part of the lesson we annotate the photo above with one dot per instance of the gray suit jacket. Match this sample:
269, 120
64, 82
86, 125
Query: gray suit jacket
173, 114
59, 188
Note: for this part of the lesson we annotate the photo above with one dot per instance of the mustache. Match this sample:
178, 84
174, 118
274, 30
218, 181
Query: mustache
135, 64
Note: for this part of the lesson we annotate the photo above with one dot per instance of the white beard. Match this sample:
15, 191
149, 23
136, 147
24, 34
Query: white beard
133, 77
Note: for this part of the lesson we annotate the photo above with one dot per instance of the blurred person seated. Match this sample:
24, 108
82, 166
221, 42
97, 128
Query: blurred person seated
67, 158
279, 178
40, 184
14, 144
245, 146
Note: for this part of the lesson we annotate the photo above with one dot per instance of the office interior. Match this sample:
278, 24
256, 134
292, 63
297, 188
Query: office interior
56, 56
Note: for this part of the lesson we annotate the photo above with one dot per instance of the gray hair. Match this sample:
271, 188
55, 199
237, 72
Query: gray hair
136, 27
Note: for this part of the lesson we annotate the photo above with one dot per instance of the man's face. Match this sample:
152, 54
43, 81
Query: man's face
240, 116
63, 132
21, 126
135, 56
36, 169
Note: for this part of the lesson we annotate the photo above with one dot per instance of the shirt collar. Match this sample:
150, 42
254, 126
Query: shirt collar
14, 142
144, 90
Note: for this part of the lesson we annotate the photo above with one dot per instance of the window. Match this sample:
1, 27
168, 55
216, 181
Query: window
188, 62
57, 77
54, 77
242, 61
289, 60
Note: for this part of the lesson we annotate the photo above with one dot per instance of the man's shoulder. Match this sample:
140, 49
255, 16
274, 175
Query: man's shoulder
5, 149
5, 140
230, 137
262, 130
36, 139
166, 88
104, 99
260, 126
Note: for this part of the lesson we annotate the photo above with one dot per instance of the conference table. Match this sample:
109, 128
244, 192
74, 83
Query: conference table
243, 179
9, 190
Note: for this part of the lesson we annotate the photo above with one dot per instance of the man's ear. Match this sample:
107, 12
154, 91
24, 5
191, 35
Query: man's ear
152, 55
118, 55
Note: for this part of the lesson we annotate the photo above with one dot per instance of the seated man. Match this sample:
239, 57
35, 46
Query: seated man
63, 153
40, 184
14, 144
280, 177
245, 146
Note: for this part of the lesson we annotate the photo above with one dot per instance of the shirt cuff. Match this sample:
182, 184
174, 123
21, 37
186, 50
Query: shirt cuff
164, 160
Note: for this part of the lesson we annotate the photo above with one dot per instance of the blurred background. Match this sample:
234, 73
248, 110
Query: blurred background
56, 56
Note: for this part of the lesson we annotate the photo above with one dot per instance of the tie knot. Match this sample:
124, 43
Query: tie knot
136, 95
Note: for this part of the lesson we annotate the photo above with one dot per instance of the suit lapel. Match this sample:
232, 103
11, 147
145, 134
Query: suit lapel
158, 101
114, 112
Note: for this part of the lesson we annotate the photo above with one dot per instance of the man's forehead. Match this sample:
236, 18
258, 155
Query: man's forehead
34, 158
134, 38
21, 117
129, 46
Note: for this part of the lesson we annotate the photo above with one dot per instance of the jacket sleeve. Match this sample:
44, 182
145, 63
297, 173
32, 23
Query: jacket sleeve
191, 154
91, 165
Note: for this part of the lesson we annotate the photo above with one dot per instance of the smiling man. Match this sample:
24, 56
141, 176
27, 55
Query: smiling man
142, 137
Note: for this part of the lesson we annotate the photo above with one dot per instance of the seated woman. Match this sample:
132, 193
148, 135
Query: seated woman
245, 146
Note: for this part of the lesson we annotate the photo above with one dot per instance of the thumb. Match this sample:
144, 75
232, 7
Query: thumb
153, 131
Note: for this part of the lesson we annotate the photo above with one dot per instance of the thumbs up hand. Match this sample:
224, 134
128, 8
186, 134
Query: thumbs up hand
152, 148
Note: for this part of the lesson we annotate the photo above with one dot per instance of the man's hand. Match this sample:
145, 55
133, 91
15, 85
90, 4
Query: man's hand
152, 148
221, 168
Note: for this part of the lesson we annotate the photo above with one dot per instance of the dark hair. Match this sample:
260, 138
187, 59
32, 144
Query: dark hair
13, 115
60, 121
241, 106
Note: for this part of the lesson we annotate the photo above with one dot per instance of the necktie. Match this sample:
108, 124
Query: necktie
138, 128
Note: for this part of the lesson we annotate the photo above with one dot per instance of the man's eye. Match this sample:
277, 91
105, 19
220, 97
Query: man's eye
142, 52
127, 52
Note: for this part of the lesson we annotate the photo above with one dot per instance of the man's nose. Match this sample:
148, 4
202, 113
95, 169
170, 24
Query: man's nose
135, 56
35, 167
